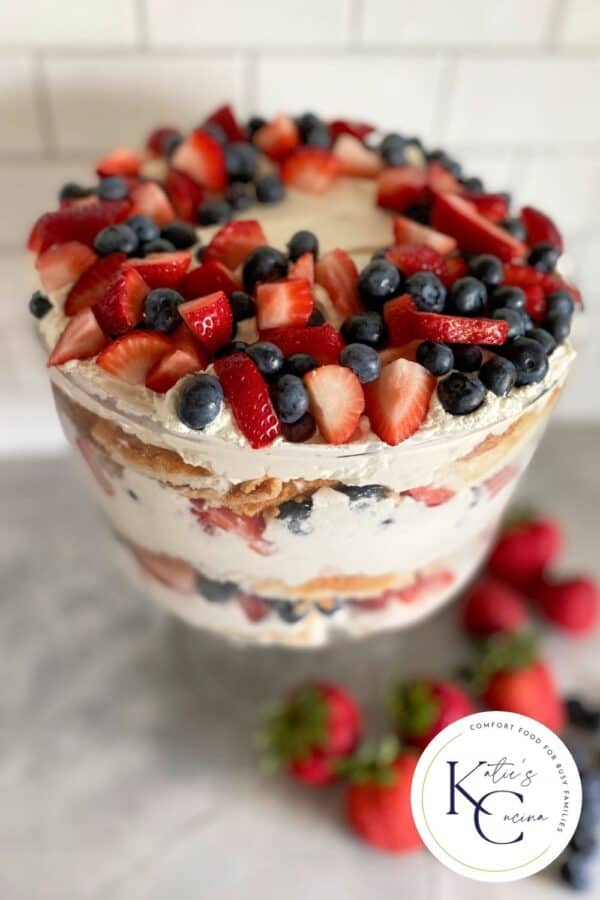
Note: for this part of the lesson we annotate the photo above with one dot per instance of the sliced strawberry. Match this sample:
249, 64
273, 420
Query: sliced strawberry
278, 137
248, 396
540, 228
149, 199
405, 351
521, 276
121, 305
397, 314
413, 258
131, 356
206, 279
157, 140
535, 302
90, 286
202, 158
310, 169
122, 161
63, 264
336, 401
234, 242
183, 339
323, 342
492, 206
475, 234
439, 180
457, 329
399, 187
255, 608
357, 129
337, 273
76, 223
81, 339
304, 267
397, 402
454, 268
431, 495
220, 518
209, 319
355, 159
225, 118
185, 194
174, 573
284, 302
162, 269
170, 368
406, 231
552, 281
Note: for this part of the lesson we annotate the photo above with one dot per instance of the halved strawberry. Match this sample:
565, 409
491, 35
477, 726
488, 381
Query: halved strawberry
162, 269
336, 401
202, 158
337, 273
209, 319
171, 367
234, 242
521, 276
310, 169
121, 305
357, 129
304, 267
405, 351
397, 315
76, 223
225, 118
131, 356
90, 286
255, 608
439, 180
62, 264
493, 206
249, 528
535, 302
400, 186
121, 161
540, 228
407, 231
454, 268
475, 234
355, 159
284, 302
81, 339
185, 194
149, 199
248, 396
457, 329
157, 140
323, 342
183, 339
397, 403
206, 279
411, 258
278, 137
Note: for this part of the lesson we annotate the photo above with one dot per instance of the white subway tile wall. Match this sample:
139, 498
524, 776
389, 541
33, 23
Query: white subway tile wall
510, 86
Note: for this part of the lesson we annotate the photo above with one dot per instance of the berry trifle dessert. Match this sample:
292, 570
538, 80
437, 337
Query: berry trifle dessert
303, 363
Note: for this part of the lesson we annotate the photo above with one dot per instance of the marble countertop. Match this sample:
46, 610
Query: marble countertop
127, 765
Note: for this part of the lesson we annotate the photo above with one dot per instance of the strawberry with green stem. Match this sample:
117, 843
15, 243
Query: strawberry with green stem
421, 708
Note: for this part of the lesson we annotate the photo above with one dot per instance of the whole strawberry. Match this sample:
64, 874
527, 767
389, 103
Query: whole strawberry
309, 733
492, 606
422, 708
377, 802
525, 550
571, 604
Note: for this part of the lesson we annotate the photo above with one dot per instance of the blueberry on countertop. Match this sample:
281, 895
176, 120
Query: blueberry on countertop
461, 394
436, 358
200, 401
216, 212
241, 160
239, 196
427, 291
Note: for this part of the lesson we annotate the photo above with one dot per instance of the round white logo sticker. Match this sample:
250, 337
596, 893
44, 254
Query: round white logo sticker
496, 796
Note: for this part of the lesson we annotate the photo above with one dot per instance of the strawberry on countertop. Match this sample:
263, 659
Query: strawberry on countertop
570, 604
525, 550
491, 606
422, 708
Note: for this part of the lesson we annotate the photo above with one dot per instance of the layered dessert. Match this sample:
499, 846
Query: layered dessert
303, 364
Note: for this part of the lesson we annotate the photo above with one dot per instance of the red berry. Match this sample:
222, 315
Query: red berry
63, 264
185, 194
76, 223
454, 215
540, 228
206, 279
304, 267
121, 305
525, 550
492, 206
400, 187
234, 242
309, 169
355, 159
422, 708
209, 319
491, 606
149, 199
121, 161
132, 356
278, 138
162, 269
173, 366
284, 302
357, 129
407, 231
202, 158
570, 604
397, 403
336, 401
82, 339
337, 273
413, 258
225, 118
90, 286
158, 138
248, 396
529, 691
323, 342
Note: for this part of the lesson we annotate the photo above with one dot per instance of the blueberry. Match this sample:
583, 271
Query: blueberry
39, 305
145, 228
300, 363
73, 191
508, 297
514, 319
303, 242
200, 401
199, 253
446, 161
242, 306
268, 358
215, 591
577, 711
238, 196
254, 123
514, 227
498, 375
544, 338
300, 431
158, 245
364, 328
560, 302
363, 493
543, 257
436, 358
473, 184
487, 268
427, 291
378, 282
575, 872
393, 149
380, 253
584, 841
160, 309
270, 189
468, 296
419, 212
113, 187
240, 161
467, 357
171, 142
231, 347
330, 607
306, 123
316, 318
296, 513
289, 611
116, 238
181, 234
217, 212
215, 131
363, 360
558, 325
291, 399
263, 264
318, 136
461, 394
529, 360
